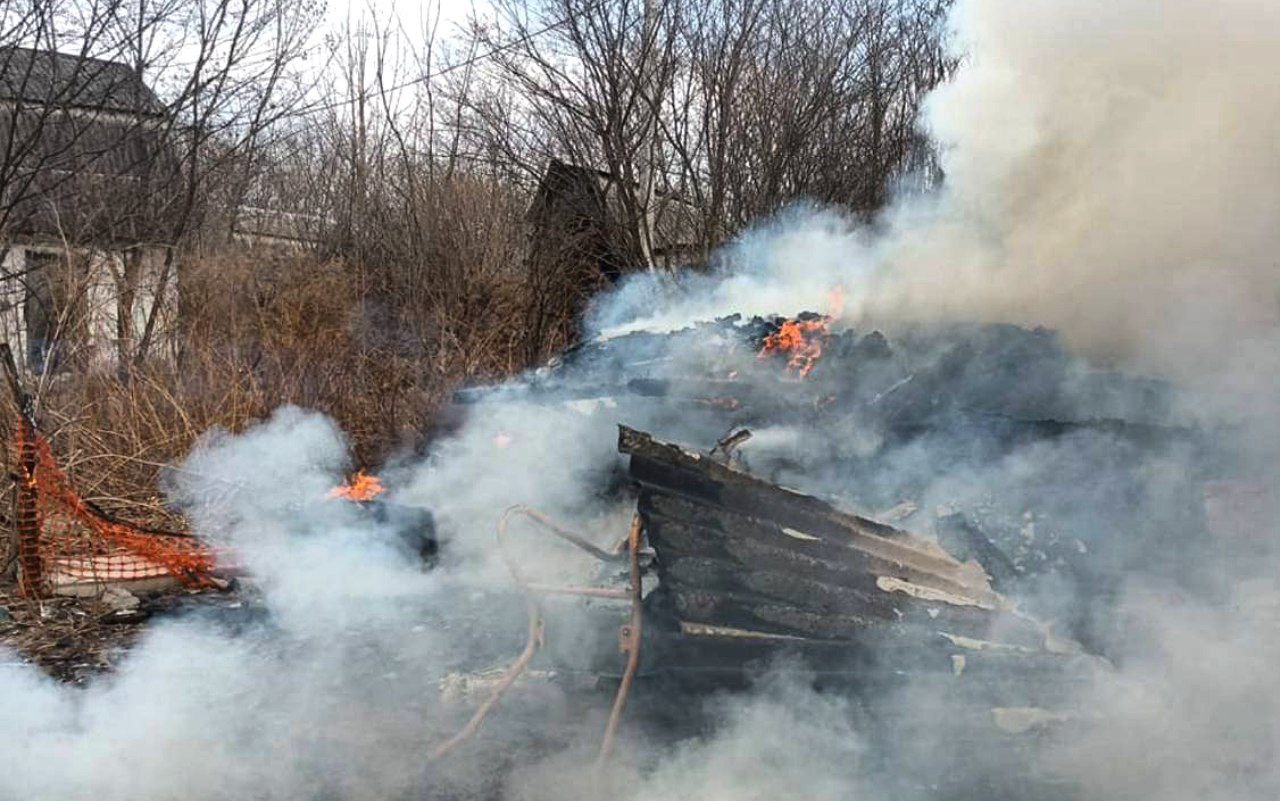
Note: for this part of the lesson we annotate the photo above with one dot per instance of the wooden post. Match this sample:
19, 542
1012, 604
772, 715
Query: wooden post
26, 515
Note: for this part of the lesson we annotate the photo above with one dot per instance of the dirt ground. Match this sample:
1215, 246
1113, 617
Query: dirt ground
73, 639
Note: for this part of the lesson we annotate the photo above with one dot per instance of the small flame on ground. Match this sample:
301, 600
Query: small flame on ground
503, 440
360, 487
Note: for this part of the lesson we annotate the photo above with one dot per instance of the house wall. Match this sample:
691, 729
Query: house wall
12, 295
278, 231
97, 345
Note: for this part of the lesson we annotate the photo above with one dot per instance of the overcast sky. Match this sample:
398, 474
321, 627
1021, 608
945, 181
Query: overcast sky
413, 19
413, 15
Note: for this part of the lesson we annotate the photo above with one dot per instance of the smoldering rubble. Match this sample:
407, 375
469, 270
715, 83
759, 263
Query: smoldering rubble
1055, 502
958, 556
952, 560
945, 589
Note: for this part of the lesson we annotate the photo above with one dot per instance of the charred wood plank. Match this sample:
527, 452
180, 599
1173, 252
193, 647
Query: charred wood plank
824, 612
771, 586
717, 608
682, 524
963, 537
723, 609
734, 551
679, 472
677, 538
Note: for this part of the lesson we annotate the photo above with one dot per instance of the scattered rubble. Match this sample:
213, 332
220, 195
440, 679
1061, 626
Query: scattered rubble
757, 537
120, 600
65, 636
74, 638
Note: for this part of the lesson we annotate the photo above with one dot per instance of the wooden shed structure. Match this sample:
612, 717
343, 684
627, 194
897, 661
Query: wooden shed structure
580, 209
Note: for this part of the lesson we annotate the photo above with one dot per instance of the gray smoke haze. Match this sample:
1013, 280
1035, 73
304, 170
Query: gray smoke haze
1112, 170
333, 687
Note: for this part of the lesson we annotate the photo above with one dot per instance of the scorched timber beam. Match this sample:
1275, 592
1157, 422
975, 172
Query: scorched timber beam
909, 564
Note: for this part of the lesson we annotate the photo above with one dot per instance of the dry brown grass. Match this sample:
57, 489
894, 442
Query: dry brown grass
377, 341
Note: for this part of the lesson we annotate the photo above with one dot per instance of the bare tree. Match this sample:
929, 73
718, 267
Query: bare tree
756, 103
236, 88
91, 155
583, 80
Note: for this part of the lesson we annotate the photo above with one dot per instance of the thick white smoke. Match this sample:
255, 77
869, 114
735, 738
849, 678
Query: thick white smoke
329, 680
1112, 170
323, 694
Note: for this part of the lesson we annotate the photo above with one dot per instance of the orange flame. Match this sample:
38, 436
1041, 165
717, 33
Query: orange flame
800, 340
360, 487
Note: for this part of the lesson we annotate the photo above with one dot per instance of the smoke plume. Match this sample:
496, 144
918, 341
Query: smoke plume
1111, 170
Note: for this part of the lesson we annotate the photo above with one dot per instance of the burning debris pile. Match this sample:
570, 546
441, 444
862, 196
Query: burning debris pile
974, 433
802, 365
896, 516
799, 341
939, 533
969, 502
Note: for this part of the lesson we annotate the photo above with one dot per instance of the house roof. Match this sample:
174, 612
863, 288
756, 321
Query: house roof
104, 172
46, 77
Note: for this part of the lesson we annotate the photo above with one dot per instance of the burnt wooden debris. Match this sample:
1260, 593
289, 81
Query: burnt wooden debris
956, 396
747, 569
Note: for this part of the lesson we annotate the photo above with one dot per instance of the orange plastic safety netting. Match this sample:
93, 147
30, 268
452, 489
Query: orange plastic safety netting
65, 542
